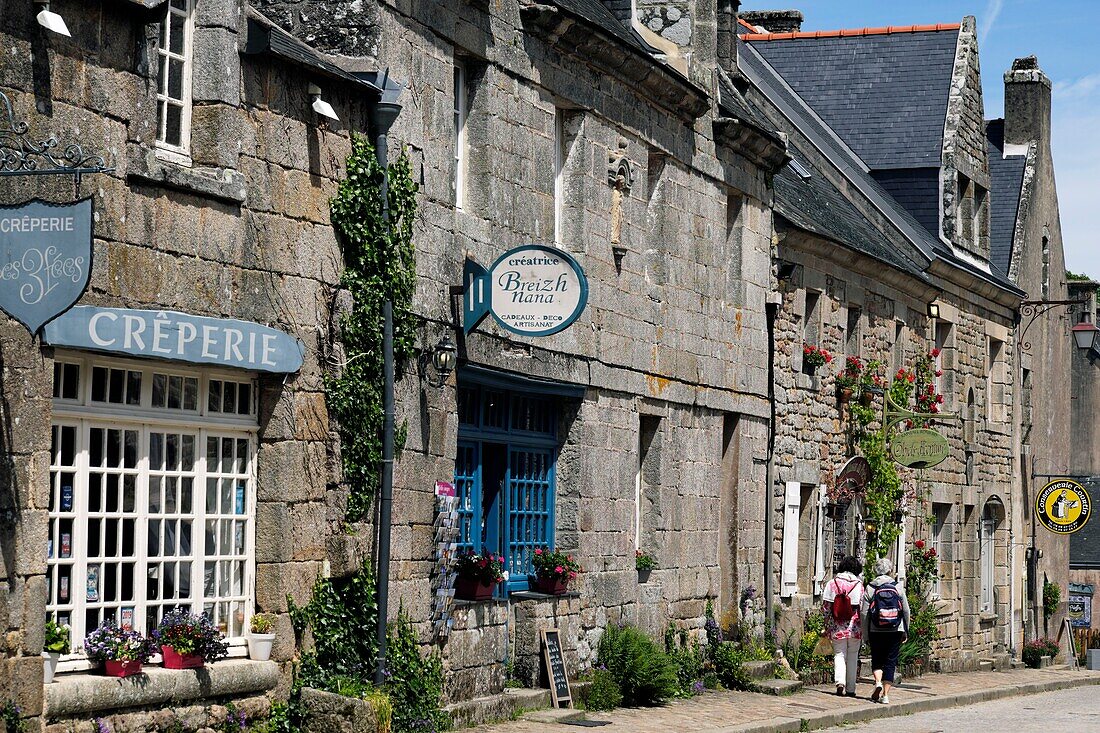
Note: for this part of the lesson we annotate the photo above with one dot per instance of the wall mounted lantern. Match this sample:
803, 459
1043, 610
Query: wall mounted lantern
933, 310
50, 20
1084, 333
444, 357
319, 105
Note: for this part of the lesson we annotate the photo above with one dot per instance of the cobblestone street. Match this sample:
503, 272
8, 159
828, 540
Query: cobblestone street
742, 712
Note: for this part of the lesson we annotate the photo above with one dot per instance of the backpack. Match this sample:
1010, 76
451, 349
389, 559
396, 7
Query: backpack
885, 608
842, 604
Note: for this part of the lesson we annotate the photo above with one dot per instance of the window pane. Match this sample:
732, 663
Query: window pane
214, 400
175, 37
173, 124
133, 388
117, 386
57, 372
99, 384
190, 394
160, 390
175, 393
244, 399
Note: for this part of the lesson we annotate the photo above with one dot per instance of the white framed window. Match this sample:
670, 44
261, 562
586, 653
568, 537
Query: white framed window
986, 550
995, 381
461, 112
152, 496
175, 61
941, 542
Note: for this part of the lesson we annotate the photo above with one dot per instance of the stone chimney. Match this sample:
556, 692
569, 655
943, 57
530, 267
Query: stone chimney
775, 21
726, 31
1027, 103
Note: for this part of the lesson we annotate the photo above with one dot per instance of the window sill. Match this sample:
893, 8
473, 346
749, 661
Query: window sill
531, 595
1000, 428
76, 695
217, 183
987, 618
463, 603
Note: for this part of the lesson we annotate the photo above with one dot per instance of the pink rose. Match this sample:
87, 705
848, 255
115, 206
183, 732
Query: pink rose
538, 551
559, 569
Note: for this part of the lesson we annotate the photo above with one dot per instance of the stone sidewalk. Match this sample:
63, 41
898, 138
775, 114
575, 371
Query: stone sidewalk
816, 707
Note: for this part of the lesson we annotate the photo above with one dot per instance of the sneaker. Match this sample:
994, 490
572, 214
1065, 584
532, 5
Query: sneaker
840, 690
876, 693
885, 700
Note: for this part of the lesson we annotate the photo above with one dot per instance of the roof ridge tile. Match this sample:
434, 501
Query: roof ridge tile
849, 32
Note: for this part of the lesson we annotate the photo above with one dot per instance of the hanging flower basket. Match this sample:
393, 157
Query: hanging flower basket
118, 668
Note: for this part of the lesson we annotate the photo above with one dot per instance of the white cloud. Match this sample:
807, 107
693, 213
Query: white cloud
989, 17
1079, 88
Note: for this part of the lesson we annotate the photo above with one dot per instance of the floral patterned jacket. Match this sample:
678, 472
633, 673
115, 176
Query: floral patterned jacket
841, 629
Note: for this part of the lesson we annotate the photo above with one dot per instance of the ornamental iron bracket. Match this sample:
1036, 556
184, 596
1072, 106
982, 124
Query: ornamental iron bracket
892, 414
22, 155
1032, 309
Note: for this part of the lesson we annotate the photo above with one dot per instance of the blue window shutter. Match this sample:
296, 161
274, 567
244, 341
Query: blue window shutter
529, 510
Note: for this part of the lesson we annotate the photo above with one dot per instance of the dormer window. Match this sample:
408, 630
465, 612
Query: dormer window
175, 57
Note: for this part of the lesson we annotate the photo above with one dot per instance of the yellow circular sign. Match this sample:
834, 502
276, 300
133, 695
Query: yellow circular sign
1063, 506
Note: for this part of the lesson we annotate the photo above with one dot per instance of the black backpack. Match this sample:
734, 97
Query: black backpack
885, 608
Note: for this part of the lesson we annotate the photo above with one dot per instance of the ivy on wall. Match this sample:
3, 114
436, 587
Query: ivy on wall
379, 262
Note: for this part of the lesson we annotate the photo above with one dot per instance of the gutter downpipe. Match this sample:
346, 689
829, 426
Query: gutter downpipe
772, 310
383, 114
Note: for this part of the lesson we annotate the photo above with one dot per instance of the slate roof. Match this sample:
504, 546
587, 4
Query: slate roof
795, 109
884, 93
1006, 184
816, 205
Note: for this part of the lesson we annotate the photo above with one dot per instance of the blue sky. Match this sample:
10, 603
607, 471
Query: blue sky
1062, 33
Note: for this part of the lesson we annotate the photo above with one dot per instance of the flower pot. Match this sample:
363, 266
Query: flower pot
472, 589
844, 395
259, 646
551, 586
49, 666
866, 397
643, 574
117, 668
808, 368
175, 660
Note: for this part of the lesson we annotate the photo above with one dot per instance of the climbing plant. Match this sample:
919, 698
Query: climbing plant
885, 494
379, 264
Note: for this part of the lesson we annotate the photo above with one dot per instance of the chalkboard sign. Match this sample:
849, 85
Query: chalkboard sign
555, 669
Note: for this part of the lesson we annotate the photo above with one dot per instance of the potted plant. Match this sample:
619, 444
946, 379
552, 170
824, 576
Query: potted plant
188, 640
644, 563
477, 575
121, 652
848, 378
871, 383
261, 636
55, 644
813, 357
553, 570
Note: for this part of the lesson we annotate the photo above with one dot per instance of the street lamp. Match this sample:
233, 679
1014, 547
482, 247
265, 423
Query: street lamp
1084, 333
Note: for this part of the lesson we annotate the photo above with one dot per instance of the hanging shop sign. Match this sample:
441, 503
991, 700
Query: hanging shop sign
533, 290
1063, 506
177, 337
1079, 611
45, 259
853, 477
919, 448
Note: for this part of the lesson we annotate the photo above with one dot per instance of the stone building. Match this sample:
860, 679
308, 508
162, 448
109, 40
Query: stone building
974, 206
707, 199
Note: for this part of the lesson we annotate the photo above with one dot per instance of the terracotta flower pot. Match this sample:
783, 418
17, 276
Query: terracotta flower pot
866, 398
175, 660
116, 668
844, 395
551, 586
472, 589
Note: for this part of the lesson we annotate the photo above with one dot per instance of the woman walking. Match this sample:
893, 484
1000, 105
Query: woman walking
841, 603
885, 614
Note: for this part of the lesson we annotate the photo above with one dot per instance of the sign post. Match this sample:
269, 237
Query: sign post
555, 669
533, 290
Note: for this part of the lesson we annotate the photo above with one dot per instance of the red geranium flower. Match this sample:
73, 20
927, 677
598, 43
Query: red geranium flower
919, 544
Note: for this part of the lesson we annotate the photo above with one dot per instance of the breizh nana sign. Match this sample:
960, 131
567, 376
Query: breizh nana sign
45, 259
533, 290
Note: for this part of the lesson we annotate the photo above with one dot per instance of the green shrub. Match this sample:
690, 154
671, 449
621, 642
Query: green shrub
644, 674
603, 691
689, 659
415, 683
1052, 596
729, 666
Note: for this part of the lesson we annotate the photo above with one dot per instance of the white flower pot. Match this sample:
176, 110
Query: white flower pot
49, 666
259, 646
